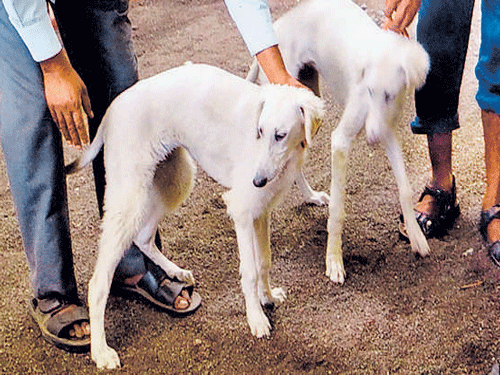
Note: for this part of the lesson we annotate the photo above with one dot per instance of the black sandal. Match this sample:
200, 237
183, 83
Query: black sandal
484, 220
436, 225
160, 293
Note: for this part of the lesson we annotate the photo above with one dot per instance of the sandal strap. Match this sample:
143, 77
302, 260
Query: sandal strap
59, 318
486, 218
166, 293
444, 200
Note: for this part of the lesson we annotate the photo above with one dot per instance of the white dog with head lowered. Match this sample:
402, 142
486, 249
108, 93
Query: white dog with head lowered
369, 71
251, 139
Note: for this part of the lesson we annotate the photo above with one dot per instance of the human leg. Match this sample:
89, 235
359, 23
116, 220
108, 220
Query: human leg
488, 98
33, 153
443, 29
97, 36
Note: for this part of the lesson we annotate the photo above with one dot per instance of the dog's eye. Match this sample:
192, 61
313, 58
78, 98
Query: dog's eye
279, 136
260, 132
388, 97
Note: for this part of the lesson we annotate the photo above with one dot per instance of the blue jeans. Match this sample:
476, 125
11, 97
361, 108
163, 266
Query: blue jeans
487, 68
443, 29
98, 42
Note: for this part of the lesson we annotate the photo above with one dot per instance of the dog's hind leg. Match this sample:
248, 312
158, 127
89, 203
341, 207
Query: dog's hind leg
319, 198
124, 214
418, 241
351, 123
262, 253
172, 184
113, 243
145, 240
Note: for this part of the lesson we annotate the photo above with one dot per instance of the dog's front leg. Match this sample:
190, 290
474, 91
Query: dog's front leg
319, 198
267, 296
351, 123
418, 241
246, 236
334, 262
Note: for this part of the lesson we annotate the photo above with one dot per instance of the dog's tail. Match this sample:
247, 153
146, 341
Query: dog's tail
89, 154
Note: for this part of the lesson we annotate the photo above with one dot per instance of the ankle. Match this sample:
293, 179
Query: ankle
442, 182
494, 230
133, 280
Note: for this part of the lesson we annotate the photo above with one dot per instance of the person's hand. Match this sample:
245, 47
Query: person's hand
67, 99
400, 14
271, 62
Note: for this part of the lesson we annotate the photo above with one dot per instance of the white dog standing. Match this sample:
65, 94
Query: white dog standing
251, 139
369, 71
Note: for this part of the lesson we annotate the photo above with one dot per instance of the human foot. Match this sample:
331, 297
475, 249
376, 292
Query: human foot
489, 227
62, 322
167, 294
435, 211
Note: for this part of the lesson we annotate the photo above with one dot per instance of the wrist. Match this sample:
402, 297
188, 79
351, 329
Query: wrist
56, 63
273, 66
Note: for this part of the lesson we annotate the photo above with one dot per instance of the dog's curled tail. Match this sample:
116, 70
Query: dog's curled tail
89, 154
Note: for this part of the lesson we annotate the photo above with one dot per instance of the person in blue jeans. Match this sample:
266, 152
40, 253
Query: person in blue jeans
443, 28
49, 89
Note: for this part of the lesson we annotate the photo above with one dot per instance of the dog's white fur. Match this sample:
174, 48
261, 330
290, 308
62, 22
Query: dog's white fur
370, 71
249, 138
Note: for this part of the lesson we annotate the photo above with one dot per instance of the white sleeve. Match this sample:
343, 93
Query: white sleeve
32, 21
253, 20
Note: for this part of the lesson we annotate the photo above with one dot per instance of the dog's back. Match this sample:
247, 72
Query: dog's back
341, 42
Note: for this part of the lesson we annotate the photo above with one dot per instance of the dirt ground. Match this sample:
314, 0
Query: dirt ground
396, 313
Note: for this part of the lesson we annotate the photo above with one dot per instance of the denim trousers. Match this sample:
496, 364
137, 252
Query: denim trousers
443, 29
487, 68
97, 37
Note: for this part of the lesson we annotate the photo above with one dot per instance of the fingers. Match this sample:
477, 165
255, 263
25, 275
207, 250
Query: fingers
400, 14
73, 126
80, 133
390, 7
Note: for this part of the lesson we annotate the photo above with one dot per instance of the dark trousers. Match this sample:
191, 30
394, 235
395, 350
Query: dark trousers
443, 29
98, 41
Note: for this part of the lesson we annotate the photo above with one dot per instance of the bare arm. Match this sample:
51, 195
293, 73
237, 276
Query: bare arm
273, 66
67, 99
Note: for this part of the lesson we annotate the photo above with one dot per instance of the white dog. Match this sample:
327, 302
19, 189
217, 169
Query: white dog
370, 71
251, 139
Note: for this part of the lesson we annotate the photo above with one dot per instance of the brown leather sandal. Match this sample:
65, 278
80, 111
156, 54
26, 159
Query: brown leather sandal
56, 316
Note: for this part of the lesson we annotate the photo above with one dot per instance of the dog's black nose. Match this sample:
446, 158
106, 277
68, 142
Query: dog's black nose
260, 182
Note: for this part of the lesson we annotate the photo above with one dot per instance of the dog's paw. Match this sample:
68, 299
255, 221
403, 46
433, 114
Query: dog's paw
278, 295
258, 322
318, 198
106, 358
274, 297
186, 277
417, 238
420, 246
335, 270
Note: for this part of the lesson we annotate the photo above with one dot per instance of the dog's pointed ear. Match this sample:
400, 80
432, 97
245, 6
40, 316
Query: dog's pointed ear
415, 64
312, 109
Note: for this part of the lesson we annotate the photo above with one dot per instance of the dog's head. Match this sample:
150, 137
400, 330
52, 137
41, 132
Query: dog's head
401, 68
289, 118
